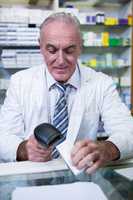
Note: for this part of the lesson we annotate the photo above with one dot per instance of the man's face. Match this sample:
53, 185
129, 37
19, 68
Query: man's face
60, 45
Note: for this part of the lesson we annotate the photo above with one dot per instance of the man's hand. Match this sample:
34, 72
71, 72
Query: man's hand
90, 155
32, 150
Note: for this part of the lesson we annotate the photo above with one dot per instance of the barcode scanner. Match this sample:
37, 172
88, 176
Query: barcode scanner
47, 135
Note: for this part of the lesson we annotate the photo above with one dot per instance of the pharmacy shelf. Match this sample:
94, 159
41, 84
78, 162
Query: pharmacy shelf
101, 1
18, 25
112, 1
39, 4
97, 50
94, 17
19, 46
115, 71
125, 46
15, 28
106, 26
95, 3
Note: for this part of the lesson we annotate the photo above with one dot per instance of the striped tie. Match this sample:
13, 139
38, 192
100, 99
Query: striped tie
60, 118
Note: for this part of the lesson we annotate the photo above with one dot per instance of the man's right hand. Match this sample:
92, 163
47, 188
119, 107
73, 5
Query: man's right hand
31, 150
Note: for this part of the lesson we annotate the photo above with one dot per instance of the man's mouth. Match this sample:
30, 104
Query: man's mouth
61, 69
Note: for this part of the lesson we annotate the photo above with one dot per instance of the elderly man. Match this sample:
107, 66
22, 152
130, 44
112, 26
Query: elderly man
33, 96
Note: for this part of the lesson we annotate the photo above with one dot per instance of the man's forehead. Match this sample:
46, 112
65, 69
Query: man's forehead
60, 33
55, 45
58, 27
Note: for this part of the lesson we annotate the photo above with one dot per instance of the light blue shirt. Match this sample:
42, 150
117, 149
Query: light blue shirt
53, 92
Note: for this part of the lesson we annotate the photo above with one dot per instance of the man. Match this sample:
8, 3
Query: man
32, 96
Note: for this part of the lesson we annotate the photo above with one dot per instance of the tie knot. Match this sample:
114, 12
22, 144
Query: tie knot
61, 87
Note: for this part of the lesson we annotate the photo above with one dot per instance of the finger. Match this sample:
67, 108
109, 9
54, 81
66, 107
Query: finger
40, 146
89, 160
83, 152
78, 146
44, 159
42, 151
37, 153
39, 158
93, 168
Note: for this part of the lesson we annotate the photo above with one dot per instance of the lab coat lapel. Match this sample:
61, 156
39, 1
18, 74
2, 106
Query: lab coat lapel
41, 95
76, 117
78, 108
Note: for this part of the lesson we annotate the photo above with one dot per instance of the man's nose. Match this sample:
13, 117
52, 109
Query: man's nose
61, 57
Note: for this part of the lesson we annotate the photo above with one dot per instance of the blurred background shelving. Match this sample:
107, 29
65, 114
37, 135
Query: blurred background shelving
107, 28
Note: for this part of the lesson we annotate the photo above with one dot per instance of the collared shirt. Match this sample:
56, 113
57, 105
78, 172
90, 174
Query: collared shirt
53, 92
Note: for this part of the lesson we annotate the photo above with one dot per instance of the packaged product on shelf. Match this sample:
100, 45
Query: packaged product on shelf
130, 20
105, 38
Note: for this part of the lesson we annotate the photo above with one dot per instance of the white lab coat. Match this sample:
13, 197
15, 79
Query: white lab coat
26, 106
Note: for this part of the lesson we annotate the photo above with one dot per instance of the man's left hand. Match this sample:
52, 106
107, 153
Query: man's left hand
90, 155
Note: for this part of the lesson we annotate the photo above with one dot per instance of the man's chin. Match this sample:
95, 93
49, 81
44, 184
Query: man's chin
60, 78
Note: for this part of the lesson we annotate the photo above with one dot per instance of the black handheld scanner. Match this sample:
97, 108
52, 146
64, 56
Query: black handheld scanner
47, 135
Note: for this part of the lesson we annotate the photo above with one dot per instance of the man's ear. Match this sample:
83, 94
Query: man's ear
39, 42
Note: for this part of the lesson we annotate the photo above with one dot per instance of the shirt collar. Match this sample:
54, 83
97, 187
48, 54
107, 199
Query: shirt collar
74, 81
50, 80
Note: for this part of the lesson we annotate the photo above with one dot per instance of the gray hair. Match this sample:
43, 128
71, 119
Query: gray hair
67, 18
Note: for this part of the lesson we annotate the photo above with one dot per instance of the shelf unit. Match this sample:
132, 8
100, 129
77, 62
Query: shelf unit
19, 31
114, 59
32, 15
47, 4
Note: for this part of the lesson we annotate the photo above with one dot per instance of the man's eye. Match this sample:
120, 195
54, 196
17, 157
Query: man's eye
70, 50
52, 50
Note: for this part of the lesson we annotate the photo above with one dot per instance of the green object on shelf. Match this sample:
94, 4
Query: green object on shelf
114, 42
